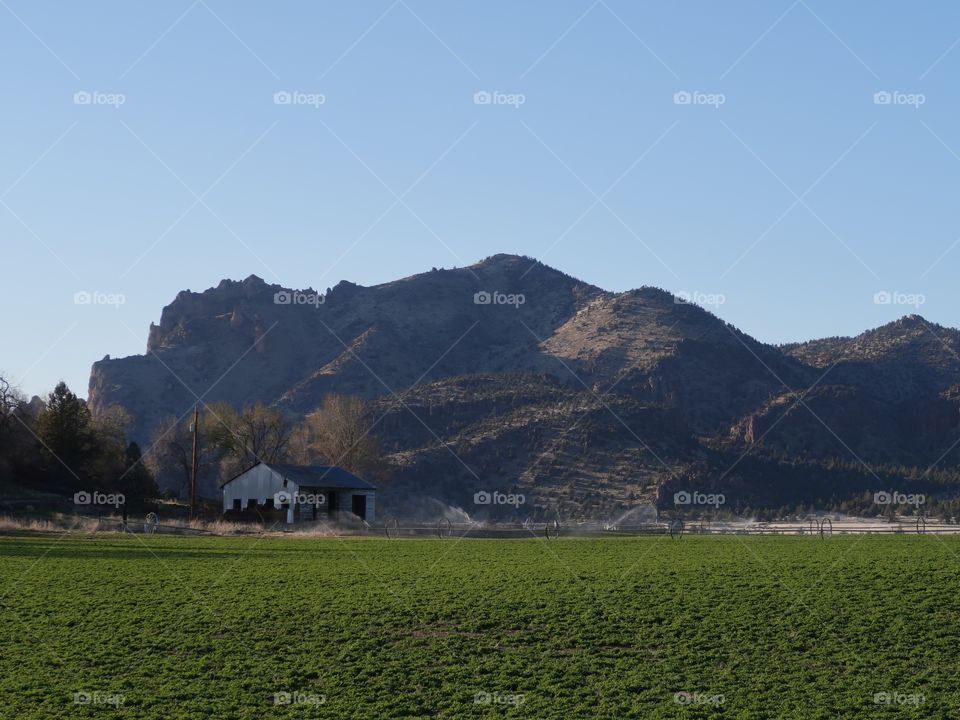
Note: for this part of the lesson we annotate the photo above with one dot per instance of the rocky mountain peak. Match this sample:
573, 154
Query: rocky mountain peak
503, 361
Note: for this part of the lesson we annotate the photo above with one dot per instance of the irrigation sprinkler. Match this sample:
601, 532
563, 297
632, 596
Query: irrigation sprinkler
823, 530
676, 528
554, 527
150, 523
392, 528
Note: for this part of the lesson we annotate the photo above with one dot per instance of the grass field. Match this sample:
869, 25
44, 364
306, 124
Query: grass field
173, 627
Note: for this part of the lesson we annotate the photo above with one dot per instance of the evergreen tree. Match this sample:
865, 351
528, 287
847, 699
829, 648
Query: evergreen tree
136, 483
63, 429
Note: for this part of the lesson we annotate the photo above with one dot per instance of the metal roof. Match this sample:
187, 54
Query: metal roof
320, 476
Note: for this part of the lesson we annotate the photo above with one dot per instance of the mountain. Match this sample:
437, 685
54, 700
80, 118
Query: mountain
510, 375
897, 361
894, 390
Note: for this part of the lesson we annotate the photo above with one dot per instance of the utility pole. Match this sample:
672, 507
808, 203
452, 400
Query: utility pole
193, 466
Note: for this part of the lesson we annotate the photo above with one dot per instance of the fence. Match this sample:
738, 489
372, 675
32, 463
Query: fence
393, 529
817, 527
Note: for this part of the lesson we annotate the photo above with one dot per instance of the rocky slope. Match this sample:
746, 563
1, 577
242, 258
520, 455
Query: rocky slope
510, 374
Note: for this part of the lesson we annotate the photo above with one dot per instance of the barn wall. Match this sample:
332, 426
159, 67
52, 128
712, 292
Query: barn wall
304, 511
260, 483
257, 483
371, 502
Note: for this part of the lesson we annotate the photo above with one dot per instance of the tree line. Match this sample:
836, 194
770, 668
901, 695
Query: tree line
340, 432
56, 445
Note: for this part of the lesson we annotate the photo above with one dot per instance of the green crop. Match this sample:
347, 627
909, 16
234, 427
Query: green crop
734, 627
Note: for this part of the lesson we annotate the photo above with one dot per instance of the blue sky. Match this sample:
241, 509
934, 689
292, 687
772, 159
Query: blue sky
784, 188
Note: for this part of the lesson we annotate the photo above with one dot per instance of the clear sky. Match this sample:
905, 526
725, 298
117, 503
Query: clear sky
145, 150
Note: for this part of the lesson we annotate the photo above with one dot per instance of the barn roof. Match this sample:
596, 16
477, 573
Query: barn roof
323, 476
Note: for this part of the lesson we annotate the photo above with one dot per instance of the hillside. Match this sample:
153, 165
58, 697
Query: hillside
510, 374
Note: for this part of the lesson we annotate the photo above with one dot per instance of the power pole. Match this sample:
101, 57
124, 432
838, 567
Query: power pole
193, 466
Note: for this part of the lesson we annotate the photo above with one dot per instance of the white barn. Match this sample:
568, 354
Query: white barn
306, 492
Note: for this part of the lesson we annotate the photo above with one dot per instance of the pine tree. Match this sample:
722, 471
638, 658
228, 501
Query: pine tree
63, 429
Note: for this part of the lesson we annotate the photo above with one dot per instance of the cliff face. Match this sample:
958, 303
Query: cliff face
510, 373
248, 341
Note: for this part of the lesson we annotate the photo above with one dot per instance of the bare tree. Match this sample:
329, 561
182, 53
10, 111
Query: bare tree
12, 401
299, 449
241, 438
13, 436
340, 433
171, 451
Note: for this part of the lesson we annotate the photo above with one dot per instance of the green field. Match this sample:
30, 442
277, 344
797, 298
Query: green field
755, 627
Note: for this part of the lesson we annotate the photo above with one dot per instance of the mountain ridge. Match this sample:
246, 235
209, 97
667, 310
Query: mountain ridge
503, 357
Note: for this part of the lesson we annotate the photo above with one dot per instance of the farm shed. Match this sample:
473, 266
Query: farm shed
305, 492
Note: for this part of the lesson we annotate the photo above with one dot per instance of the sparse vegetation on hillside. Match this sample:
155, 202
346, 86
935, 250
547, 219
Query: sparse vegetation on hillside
610, 394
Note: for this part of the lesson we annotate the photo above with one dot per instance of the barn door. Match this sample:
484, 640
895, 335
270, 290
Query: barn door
358, 506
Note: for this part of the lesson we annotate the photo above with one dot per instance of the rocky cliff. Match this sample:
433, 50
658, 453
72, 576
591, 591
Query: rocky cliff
509, 374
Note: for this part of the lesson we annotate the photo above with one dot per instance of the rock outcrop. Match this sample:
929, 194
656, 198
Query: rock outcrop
509, 374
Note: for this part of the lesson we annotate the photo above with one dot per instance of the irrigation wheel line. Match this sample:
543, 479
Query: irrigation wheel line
823, 530
921, 525
150, 523
555, 527
444, 529
676, 528
392, 526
